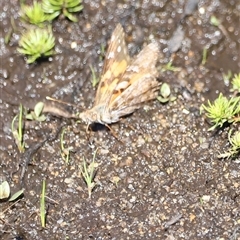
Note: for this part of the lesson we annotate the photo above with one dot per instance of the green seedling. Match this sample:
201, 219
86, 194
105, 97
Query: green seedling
169, 67
4, 190
10, 31
36, 43
42, 205
204, 58
102, 52
236, 83
217, 23
18, 133
227, 77
8, 36
222, 110
67, 7
88, 173
16, 195
65, 152
95, 79
34, 14
235, 145
165, 94
214, 21
37, 113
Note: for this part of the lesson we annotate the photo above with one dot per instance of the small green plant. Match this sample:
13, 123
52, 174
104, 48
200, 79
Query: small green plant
217, 23
95, 79
16, 195
88, 173
222, 110
169, 67
227, 77
36, 43
65, 152
42, 205
102, 52
235, 145
34, 14
10, 31
236, 83
67, 7
214, 21
4, 190
204, 57
37, 113
165, 94
18, 132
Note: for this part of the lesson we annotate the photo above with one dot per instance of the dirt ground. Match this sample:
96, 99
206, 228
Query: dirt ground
163, 179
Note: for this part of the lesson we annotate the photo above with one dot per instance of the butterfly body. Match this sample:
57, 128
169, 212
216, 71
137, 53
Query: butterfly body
98, 114
125, 84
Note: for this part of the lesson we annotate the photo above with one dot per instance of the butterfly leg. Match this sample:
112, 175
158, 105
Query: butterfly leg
88, 134
113, 133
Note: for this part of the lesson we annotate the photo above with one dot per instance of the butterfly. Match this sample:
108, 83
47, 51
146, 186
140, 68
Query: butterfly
125, 83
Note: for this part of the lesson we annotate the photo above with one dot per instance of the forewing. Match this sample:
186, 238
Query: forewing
116, 62
138, 84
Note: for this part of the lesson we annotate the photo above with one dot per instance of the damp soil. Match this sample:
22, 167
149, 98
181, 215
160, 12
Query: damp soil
161, 178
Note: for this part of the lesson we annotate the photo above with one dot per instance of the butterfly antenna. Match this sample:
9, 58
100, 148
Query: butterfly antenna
59, 101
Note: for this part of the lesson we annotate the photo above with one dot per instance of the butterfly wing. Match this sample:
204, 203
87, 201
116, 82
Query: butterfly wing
116, 62
138, 84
